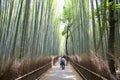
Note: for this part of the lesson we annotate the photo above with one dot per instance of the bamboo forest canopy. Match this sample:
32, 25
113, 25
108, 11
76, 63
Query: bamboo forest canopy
29, 28
35, 27
89, 27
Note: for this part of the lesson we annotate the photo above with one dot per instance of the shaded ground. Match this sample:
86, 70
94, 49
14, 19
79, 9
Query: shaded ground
56, 73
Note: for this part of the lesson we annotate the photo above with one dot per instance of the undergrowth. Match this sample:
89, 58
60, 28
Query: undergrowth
95, 64
14, 68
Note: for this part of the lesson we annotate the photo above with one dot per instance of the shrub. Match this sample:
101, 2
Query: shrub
15, 68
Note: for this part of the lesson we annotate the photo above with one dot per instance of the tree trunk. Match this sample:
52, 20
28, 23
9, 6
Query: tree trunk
0, 6
111, 40
66, 45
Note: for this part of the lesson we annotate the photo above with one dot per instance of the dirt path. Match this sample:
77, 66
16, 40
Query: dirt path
56, 73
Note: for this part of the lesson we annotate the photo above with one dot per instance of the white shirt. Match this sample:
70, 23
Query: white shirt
62, 60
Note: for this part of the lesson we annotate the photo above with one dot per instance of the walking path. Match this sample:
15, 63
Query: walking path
56, 73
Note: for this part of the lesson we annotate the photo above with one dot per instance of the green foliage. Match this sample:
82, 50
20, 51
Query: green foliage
65, 31
67, 12
117, 6
101, 7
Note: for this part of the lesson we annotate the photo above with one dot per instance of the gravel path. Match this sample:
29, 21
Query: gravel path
56, 73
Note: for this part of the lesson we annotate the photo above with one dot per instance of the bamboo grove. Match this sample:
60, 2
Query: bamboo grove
93, 26
31, 28
28, 28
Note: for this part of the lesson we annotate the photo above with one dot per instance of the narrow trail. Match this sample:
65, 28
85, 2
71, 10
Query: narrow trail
56, 73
